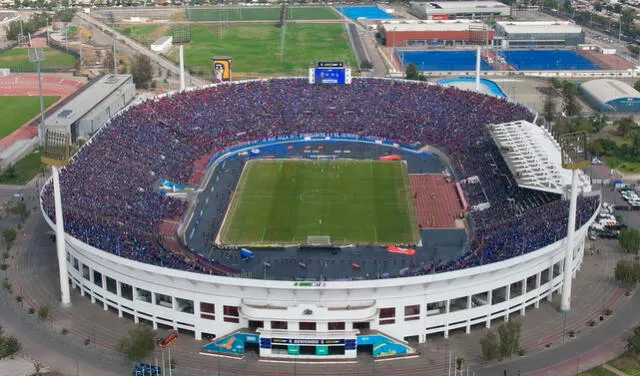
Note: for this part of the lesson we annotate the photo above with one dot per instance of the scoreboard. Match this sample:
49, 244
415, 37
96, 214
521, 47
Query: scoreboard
330, 73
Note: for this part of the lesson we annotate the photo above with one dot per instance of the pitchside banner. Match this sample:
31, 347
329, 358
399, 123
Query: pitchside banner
221, 69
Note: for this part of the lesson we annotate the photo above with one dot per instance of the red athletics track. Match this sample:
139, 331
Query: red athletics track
27, 85
437, 202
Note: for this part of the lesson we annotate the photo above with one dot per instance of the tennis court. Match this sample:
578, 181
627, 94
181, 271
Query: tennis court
442, 60
528, 60
372, 13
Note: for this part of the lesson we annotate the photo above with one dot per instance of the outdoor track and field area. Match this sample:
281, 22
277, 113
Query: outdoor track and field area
527, 60
261, 14
280, 202
256, 48
17, 60
15, 111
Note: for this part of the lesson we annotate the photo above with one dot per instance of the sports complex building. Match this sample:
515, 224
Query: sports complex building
434, 33
169, 222
611, 95
550, 34
448, 10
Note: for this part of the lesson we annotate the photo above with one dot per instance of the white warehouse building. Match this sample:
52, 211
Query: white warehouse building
511, 34
445, 10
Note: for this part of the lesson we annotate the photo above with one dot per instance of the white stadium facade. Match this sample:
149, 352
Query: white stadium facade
407, 309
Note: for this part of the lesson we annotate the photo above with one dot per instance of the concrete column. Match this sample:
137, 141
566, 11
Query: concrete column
447, 308
536, 305
104, 290
65, 294
489, 299
565, 303
524, 300
507, 297
550, 283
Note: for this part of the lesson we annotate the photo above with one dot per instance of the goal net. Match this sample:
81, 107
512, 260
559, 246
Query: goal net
319, 241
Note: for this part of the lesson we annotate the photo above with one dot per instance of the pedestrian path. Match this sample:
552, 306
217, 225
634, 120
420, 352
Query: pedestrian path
614, 370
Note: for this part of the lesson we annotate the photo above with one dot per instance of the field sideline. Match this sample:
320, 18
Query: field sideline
280, 202
261, 14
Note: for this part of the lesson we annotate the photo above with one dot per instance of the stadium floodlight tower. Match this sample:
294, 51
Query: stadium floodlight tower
181, 35
573, 148
57, 152
37, 56
478, 62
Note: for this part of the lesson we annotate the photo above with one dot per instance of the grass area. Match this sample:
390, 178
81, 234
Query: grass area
24, 170
17, 60
261, 14
255, 49
598, 371
622, 165
284, 201
15, 111
145, 34
627, 363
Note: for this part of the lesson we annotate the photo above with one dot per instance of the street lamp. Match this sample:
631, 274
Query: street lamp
573, 149
37, 56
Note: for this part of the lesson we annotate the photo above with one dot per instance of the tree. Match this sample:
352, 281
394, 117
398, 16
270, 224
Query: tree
549, 108
509, 334
627, 272
637, 84
142, 71
490, 345
598, 121
630, 239
10, 346
635, 50
43, 312
412, 72
597, 6
108, 62
633, 343
635, 147
139, 343
9, 236
624, 126
366, 65
65, 15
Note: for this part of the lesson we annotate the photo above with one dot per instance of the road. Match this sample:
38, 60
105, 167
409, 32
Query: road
136, 48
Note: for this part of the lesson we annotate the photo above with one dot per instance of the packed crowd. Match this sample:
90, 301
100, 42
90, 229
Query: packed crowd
109, 190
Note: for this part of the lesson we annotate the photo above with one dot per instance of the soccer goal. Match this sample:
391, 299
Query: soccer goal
319, 241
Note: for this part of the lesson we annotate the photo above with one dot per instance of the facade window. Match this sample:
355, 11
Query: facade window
111, 285
164, 300
279, 325
387, 316
207, 311
411, 312
307, 325
97, 278
336, 325
76, 266
143, 295
85, 272
184, 305
126, 291
231, 314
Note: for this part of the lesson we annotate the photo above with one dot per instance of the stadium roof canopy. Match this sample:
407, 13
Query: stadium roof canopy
538, 27
533, 156
611, 95
431, 25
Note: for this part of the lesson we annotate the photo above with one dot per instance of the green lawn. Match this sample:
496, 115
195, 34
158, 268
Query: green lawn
17, 60
261, 14
627, 363
145, 34
623, 165
15, 111
24, 170
598, 371
285, 201
255, 49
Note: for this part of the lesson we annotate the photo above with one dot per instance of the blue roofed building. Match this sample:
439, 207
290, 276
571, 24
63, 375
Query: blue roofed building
610, 95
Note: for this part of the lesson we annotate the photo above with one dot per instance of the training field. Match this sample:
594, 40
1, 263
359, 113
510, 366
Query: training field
15, 111
353, 202
17, 60
261, 14
255, 49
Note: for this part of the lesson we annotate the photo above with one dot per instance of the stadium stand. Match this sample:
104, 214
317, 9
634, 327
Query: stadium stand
108, 189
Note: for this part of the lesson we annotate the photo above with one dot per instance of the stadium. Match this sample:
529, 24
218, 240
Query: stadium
318, 221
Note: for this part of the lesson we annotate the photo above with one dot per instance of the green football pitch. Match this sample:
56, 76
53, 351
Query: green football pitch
280, 202
17, 60
255, 49
15, 111
261, 14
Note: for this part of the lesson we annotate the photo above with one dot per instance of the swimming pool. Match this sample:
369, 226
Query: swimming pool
468, 83
526, 60
372, 13
442, 60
